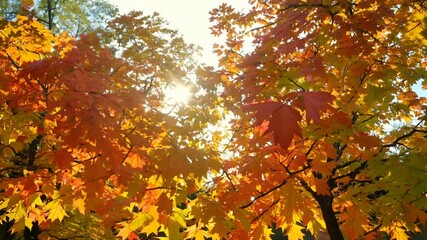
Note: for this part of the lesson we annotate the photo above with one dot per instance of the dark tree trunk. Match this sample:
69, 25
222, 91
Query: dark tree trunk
49, 14
329, 217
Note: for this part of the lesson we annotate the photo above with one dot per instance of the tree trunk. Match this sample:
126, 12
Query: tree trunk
49, 14
329, 217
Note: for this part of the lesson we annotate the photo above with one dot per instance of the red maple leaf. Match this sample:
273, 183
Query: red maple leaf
263, 111
283, 121
284, 125
311, 103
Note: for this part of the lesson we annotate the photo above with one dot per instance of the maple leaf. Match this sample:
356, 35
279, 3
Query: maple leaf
322, 187
366, 141
195, 232
324, 168
284, 125
298, 162
330, 150
398, 233
34, 200
291, 202
312, 103
140, 220
79, 204
174, 229
354, 220
414, 213
153, 227
18, 226
222, 227
283, 121
56, 211
165, 203
263, 111
133, 236
125, 232
295, 232
63, 158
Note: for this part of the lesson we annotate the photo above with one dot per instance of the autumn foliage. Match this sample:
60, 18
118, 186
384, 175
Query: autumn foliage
325, 132
83, 130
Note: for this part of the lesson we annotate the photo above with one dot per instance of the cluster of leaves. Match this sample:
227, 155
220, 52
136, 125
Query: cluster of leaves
83, 129
338, 143
328, 136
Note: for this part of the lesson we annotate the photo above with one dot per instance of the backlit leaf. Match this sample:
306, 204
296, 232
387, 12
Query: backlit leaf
56, 211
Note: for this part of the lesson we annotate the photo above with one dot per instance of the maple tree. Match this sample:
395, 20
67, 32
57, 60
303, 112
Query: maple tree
74, 17
85, 129
327, 139
329, 133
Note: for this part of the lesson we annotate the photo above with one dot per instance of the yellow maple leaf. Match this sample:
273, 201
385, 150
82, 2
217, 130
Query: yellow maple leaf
140, 220
399, 234
19, 212
173, 229
35, 199
79, 204
154, 224
56, 211
195, 232
151, 228
266, 232
295, 232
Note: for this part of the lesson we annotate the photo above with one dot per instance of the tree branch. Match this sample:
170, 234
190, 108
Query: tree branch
127, 153
353, 173
231, 181
273, 188
311, 148
374, 229
160, 188
32, 151
343, 166
407, 135
265, 211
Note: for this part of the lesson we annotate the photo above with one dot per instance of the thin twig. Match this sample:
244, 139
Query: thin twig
273, 188
396, 141
265, 211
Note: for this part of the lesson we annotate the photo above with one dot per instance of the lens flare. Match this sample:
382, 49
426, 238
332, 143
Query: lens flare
178, 94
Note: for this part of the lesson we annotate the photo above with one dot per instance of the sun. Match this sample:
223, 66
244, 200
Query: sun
178, 95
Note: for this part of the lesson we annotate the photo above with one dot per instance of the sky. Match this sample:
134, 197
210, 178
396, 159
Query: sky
189, 17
